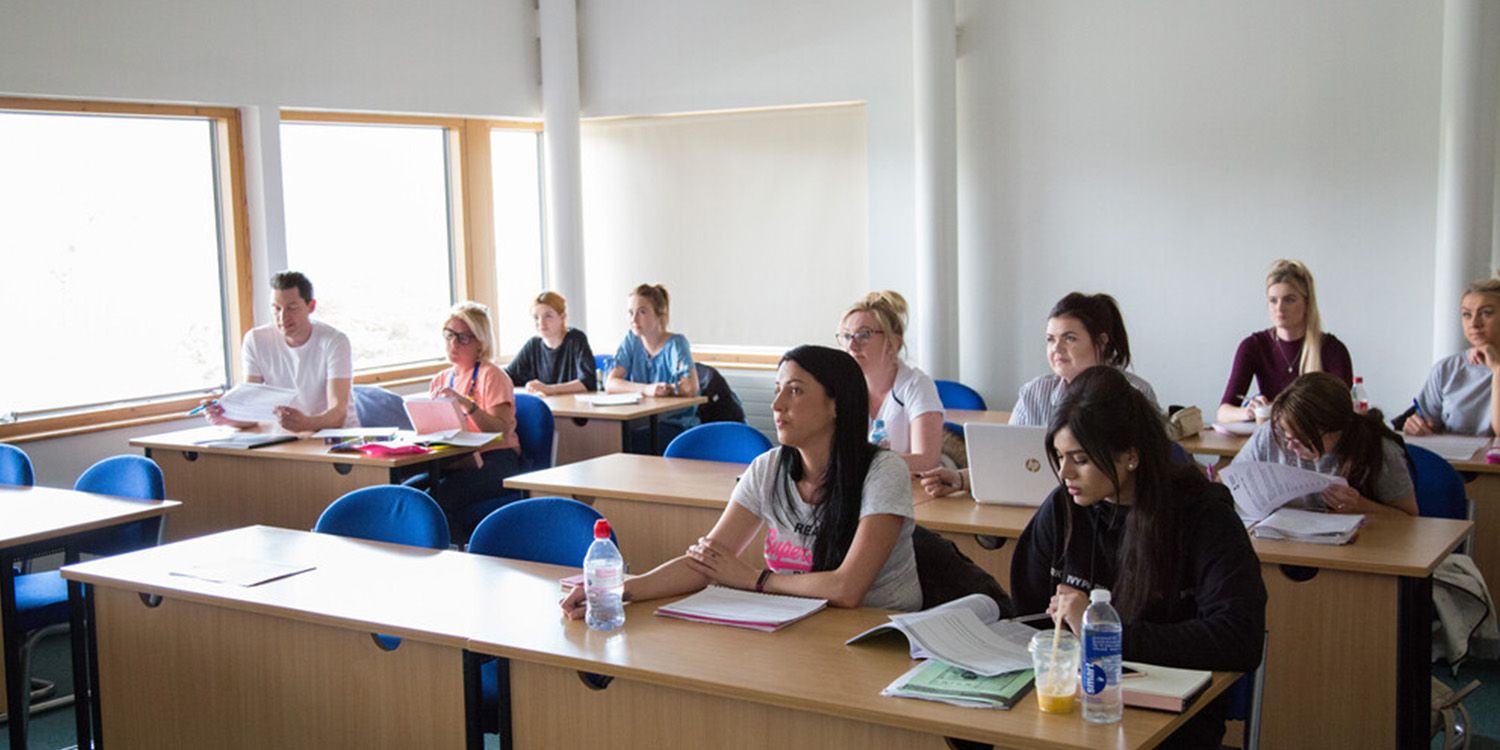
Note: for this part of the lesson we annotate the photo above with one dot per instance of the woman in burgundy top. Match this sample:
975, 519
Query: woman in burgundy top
1294, 344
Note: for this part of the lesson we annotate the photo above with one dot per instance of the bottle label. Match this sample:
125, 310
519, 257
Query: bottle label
1101, 650
604, 576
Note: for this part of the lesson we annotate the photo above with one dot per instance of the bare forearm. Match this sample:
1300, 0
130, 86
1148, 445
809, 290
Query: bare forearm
671, 578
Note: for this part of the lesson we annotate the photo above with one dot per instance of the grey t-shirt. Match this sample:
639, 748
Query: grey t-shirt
1041, 395
1456, 397
791, 532
1393, 483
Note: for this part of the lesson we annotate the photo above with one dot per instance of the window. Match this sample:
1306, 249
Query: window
368, 220
516, 187
755, 221
115, 238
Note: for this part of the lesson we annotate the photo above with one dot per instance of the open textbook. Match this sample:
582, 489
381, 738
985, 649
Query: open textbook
1260, 487
721, 605
966, 633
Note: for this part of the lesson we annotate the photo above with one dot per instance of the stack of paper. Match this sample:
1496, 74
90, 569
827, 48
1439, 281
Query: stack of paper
1163, 688
1451, 447
965, 633
1260, 487
609, 399
935, 681
1308, 526
247, 440
255, 402
241, 571
742, 609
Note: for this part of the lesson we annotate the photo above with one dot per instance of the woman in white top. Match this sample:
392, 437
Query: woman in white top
838, 510
903, 398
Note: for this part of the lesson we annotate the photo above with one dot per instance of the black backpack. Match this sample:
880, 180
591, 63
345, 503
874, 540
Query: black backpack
723, 405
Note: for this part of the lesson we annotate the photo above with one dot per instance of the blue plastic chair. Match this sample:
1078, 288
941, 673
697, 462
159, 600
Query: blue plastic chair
733, 442
552, 530
537, 432
1440, 488
378, 407
42, 598
605, 362
15, 467
387, 513
956, 395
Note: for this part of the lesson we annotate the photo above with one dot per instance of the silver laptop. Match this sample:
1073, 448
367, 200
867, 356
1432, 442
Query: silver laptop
1008, 464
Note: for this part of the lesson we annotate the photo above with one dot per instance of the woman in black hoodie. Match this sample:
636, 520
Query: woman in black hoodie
1160, 536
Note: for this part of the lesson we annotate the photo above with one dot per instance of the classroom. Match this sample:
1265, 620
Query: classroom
768, 162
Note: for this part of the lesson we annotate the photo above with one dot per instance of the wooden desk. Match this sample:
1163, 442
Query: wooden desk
37, 520
681, 684
1355, 615
585, 431
965, 416
657, 506
290, 663
287, 484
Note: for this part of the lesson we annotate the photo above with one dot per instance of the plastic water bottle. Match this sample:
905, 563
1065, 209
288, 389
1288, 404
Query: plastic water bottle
878, 434
1101, 660
1358, 395
603, 581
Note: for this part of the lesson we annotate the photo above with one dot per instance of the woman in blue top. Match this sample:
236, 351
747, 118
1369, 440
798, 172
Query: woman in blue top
655, 362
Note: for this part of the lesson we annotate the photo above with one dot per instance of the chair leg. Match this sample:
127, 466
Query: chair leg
41, 689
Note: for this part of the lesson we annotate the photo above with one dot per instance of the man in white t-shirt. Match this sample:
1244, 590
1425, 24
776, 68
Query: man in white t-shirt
305, 355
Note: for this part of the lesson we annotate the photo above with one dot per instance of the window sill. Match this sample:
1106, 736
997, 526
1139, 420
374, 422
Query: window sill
156, 412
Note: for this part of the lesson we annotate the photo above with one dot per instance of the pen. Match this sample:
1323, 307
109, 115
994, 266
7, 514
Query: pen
1416, 407
213, 401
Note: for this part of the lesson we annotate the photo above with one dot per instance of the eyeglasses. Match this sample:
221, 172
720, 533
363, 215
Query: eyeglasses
464, 339
858, 337
1291, 443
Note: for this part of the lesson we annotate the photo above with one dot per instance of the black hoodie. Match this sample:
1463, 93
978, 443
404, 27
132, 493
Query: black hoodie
1218, 618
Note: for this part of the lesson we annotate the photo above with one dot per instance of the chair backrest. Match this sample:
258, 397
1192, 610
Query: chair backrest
15, 466
956, 395
378, 407
552, 530
387, 513
734, 442
1440, 488
133, 477
605, 362
536, 431
723, 404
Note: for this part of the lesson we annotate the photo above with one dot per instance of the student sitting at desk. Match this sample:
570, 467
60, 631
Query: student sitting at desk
1462, 394
1313, 426
558, 359
1294, 344
1161, 537
655, 362
487, 398
839, 508
903, 397
1083, 330
297, 352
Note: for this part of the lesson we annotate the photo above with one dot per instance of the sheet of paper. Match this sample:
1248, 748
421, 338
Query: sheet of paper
609, 399
1235, 428
255, 402
241, 571
1261, 487
961, 639
432, 414
1451, 447
723, 603
344, 433
1310, 526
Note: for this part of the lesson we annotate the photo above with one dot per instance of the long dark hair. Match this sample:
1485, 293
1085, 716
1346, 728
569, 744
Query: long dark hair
1100, 316
1108, 417
1318, 403
841, 488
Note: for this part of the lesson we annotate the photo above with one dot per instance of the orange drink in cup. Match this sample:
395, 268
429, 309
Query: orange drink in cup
1055, 659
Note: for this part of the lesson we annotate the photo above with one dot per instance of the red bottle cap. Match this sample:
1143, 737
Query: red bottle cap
601, 529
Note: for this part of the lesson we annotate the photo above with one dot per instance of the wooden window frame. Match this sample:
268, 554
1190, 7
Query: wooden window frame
234, 230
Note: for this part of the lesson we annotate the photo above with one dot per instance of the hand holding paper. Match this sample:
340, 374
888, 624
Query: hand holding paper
255, 402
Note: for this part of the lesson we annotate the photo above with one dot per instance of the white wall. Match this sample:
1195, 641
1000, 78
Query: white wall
1167, 151
665, 56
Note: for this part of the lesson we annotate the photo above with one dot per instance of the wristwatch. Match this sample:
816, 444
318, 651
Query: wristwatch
473, 407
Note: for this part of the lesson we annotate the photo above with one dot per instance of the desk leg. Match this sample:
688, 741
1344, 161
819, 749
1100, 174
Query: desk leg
96, 713
625, 436
1413, 662
78, 634
17, 697
474, 702
655, 449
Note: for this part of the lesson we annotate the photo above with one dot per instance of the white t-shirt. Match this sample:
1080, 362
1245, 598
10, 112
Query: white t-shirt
306, 369
912, 395
792, 532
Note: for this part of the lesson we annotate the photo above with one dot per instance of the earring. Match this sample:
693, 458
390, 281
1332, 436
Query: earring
1131, 466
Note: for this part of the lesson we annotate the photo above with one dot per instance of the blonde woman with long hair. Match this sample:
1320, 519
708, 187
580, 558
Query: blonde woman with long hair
1462, 394
1294, 345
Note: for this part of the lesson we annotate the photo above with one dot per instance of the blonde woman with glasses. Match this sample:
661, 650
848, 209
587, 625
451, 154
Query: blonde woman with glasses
902, 398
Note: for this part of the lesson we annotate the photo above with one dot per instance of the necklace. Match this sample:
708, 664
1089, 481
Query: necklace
1276, 350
